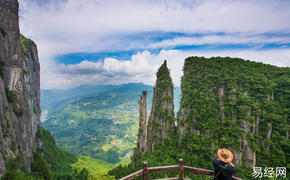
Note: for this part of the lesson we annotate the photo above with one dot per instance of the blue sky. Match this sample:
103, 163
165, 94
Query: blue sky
115, 42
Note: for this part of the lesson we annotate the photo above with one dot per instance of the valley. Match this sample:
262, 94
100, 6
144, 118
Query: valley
99, 121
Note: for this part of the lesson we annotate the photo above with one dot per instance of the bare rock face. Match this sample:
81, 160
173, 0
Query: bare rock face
161, 121
19, 88
141, 146
221, 104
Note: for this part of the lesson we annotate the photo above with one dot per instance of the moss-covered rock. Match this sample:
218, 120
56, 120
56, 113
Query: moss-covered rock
26, 44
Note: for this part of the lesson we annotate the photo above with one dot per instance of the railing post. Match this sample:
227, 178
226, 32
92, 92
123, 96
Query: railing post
180, 169
145, 170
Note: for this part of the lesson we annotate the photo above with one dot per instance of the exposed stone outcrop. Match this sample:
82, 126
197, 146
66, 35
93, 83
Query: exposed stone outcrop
141, 145
245, 151
256, 127
19, 88
161, 121
221, 104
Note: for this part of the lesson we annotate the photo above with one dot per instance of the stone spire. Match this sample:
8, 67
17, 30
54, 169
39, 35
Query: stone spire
141, 146
161, 120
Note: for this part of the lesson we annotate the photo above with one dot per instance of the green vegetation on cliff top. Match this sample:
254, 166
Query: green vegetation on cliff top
251, 90
25, 44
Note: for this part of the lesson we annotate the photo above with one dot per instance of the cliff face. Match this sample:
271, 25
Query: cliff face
141, 145
161, 120
19, 89
237, 104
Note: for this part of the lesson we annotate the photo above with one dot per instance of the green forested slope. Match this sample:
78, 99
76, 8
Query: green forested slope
51, 163
66, 165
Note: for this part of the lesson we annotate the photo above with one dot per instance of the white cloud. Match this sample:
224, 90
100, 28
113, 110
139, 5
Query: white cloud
68, 26
218, 39
84, 67
74, 26
143, 66
140, 63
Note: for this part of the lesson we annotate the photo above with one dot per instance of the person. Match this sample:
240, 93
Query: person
223, 166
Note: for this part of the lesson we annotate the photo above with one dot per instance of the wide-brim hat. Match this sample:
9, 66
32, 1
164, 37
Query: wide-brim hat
225, 155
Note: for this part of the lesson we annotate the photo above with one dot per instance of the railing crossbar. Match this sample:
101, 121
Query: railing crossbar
133, 175
198, 170
180, 167
162, 168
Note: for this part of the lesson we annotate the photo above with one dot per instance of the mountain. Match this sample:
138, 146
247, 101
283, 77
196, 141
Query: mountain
225, 102
27, 150
51, 97
96, 120
161, 123
243, 106
19, 91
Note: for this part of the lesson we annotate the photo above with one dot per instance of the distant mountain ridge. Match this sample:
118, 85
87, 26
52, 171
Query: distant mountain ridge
51, 97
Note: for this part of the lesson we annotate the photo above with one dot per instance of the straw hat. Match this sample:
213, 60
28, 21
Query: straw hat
225, 155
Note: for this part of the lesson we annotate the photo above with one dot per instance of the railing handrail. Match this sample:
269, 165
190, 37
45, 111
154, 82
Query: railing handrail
162, 168
180, 167
133, 175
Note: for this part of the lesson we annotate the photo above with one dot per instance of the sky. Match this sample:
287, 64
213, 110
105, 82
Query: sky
116, 42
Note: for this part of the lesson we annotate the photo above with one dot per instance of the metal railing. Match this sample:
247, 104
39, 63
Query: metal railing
180, 167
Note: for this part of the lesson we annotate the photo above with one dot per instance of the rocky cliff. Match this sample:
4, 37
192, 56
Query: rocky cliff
226, 102
161, 121
19, 89
236, 104
142, 133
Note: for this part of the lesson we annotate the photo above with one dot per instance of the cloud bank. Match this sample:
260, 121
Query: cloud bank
143, 66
